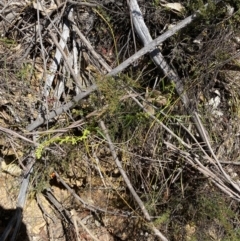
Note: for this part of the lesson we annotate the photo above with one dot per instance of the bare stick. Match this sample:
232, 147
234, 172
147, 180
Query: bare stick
91, 49
156, 56
151, 47
13, 133
77, 219
74, 221
220, 180
124, 175
129, 184
161, 124
145, 36
86, 205
83, 3
61, 109
228, 178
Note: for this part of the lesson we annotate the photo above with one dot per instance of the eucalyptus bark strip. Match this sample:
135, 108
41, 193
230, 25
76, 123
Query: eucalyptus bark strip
57, 58
75, 77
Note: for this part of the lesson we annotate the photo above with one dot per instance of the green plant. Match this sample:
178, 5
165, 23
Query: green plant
163, 219
7, 42
25, 72
73, 140
214, 209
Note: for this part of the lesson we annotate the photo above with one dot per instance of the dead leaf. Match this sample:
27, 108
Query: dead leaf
12, 168
175, 6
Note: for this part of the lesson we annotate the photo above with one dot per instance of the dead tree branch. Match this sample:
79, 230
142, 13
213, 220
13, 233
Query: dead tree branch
61, 109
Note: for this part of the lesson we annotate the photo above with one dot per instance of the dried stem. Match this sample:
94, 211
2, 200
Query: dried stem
128, 183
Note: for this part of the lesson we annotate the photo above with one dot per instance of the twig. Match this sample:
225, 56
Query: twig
74, 221
75, 218
54, 66
129, 184
13, 133
91, 49
230, 163
61, 109
161, 63
228, 178
150, 47
124, 175
158, 59
99, 169
133, 35
83, 3
194, 161
58, 206
161, 124
43, 50
86, 205
44, 212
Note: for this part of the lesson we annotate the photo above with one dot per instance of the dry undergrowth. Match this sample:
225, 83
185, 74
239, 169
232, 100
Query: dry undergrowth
77, 190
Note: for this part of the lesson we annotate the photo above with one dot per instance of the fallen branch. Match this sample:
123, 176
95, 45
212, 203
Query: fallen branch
145, 36
151, 47
61, 109
124, 175
76, 220
161, 124
15, 134
217, 179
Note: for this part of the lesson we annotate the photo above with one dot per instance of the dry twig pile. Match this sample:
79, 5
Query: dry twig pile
128, 125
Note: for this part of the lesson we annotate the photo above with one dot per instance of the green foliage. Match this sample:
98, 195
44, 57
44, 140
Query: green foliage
195, 5
25, 72
113, 91
7, 42
163, 219
156, 3
214, 209
73, 140
77, 112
